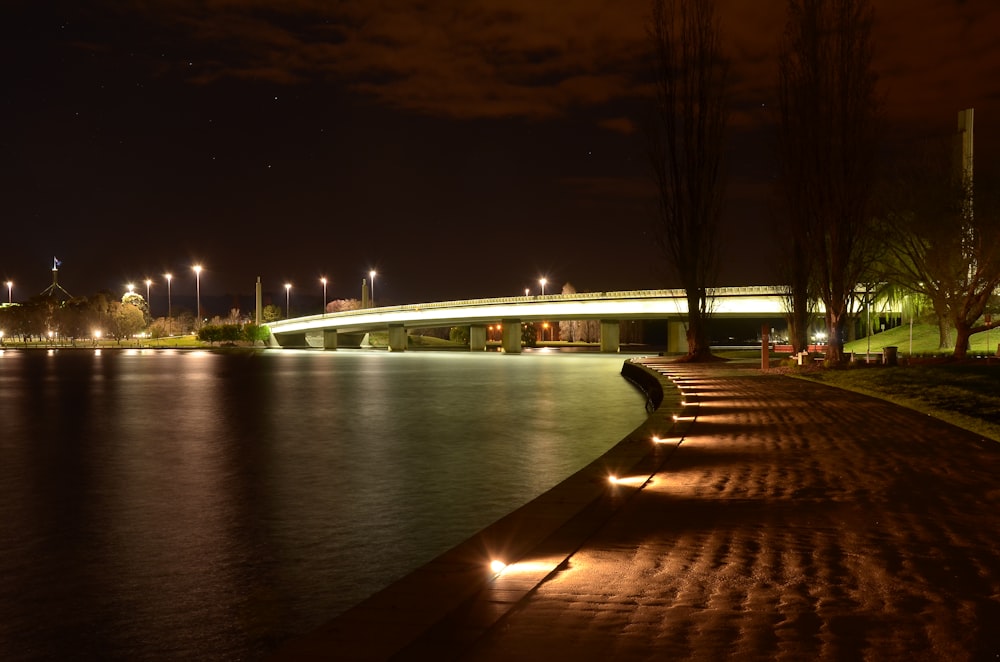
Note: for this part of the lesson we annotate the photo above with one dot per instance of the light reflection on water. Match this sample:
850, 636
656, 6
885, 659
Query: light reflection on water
165, 505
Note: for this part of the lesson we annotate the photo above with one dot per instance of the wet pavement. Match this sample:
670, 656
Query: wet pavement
778, 519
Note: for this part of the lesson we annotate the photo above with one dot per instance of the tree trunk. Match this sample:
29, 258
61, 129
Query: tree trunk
798, 320
944, 333
835, 337
944, 324
962, 334
699, 345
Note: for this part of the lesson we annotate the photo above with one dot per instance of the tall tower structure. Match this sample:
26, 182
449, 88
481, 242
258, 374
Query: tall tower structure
966, 174
965, 139
55, 288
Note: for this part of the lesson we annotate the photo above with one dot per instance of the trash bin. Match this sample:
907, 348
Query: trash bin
889, 354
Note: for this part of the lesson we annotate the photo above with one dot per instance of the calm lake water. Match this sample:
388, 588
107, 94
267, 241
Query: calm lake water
198, 505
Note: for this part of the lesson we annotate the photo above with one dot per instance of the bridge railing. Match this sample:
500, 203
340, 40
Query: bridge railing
753, 290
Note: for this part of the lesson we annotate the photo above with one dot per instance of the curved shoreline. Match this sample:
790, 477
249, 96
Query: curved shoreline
455, 597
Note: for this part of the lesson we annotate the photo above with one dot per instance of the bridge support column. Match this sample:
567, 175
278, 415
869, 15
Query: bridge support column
397, 338
512, 336
677, 340
610, 336
477, 338
329, 339
297, 339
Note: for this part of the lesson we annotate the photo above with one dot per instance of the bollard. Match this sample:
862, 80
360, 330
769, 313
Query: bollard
765, 347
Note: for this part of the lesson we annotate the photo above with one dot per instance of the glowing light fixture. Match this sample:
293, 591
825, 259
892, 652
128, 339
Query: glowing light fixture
170, 312
197, 280
497, 566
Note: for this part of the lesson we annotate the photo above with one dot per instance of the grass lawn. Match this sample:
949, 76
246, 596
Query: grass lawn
964, 394
923, 342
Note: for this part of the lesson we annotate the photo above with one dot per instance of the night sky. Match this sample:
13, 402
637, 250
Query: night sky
461, 149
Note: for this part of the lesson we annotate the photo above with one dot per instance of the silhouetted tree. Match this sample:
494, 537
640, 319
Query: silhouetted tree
687, 145
338, 305
943, 248
126, 321
827, 144
271, 313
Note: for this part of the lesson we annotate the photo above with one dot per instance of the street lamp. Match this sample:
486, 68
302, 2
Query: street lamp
131, 288
543, 281
149, 306
10, 289
197, 281
371, 274
288, 289
169, 277
323, 280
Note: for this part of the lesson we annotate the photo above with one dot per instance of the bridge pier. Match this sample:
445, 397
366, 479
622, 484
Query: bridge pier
397, 338
610, 336
290, 339
477, 338
511, 336
329, 339
677, 340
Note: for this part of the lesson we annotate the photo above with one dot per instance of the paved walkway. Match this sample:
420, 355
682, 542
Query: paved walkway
786, 520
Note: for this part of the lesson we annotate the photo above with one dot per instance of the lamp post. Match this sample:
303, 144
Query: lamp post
10, 289
149, 306
371, 274
288, 290
197, 281
323, 280
169, 277
543, 281
131, 288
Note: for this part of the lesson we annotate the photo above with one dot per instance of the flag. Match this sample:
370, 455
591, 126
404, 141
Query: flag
55, 263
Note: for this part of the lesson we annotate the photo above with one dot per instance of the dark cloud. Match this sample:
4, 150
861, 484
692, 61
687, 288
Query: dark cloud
288, 138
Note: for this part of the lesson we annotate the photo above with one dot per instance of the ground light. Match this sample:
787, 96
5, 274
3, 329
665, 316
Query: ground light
538, 566
633, 481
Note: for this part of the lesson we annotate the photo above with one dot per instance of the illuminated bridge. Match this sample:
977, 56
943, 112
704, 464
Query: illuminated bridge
610, 308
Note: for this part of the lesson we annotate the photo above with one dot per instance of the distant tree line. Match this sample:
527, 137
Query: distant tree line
105, 316
100, 315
